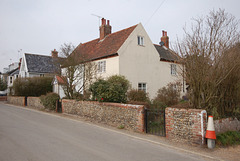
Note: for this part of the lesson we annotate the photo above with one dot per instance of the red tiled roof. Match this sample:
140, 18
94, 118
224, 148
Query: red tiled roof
60, 79
109, 46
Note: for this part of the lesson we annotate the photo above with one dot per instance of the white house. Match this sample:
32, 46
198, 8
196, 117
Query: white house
131, 53
10, 74
34, 65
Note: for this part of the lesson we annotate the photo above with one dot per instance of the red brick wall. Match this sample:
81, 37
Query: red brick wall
188, 125
3, 98
113, 114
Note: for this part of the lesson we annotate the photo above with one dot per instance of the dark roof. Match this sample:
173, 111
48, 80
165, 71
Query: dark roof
166, 54
15, 72
97, 49
41, 63
12, 71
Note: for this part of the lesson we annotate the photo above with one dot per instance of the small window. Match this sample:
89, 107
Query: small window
41, 75
142, 87
140, 40
102, 67
173, 69
11, 80
17, 76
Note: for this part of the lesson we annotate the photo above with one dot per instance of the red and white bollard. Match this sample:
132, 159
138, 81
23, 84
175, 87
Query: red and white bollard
210, 134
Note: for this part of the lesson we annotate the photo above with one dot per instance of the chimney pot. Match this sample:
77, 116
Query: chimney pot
165, 39
54, 53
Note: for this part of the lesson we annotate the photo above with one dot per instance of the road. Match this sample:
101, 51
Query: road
29, 135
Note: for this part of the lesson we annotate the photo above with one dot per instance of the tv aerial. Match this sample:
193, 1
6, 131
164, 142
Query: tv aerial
99, 18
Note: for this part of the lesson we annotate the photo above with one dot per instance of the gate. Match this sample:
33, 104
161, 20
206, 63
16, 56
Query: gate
25, 101
59, 106
155, 122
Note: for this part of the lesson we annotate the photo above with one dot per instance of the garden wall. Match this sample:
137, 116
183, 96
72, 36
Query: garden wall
227, 124
3, 98
16, 100
186, 125
114, 114
34, 102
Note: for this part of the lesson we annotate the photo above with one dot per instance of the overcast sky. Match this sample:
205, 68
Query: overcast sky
39, 26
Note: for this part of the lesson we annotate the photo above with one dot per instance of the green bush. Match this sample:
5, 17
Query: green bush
137, 95
3, 85
228, 138
35, 86
169, 95
113, 89
49, 100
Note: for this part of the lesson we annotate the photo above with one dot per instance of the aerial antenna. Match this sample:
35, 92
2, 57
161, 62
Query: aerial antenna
99, 17
19, 53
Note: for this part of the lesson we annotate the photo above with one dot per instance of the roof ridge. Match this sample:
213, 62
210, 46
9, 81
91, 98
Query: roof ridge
38, 55
109, 34
123, 29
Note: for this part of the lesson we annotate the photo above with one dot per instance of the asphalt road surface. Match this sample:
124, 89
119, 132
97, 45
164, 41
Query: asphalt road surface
28, 135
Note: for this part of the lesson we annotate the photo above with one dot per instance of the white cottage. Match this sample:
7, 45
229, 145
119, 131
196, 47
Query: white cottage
131, 53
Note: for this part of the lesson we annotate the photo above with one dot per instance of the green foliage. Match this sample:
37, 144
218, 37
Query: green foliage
49, 100
121, 126
35, 86
168, 96
137, 95
156, 103
113, 89
228, 138
3, 85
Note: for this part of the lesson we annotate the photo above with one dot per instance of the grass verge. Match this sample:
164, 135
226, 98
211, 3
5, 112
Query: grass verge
228, 138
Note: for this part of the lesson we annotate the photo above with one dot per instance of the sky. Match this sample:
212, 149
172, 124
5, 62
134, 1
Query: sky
40, 26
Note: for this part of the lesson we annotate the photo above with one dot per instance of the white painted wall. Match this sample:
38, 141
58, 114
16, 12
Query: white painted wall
112, 67
141, 64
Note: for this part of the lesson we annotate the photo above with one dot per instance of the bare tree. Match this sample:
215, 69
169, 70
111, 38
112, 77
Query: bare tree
77, 71
210, 53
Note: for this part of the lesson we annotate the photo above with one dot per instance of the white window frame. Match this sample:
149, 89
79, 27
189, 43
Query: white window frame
142, 87
140, 40
11, 80
173, 69
101, 68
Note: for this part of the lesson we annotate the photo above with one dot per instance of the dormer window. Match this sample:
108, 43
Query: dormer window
140, 40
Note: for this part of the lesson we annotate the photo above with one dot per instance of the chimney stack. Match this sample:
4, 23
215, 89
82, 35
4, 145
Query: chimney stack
19, 64
54, 53
165, 39
105, 29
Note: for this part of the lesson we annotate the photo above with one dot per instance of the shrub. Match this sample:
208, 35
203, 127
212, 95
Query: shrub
169, 95
157, 104
228, 138
113, 89
49, 100
35, 86
137, 95
3, 85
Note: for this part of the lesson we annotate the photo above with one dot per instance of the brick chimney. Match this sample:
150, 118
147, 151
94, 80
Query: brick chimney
19, 64
165, 39
54, 53
105, 29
